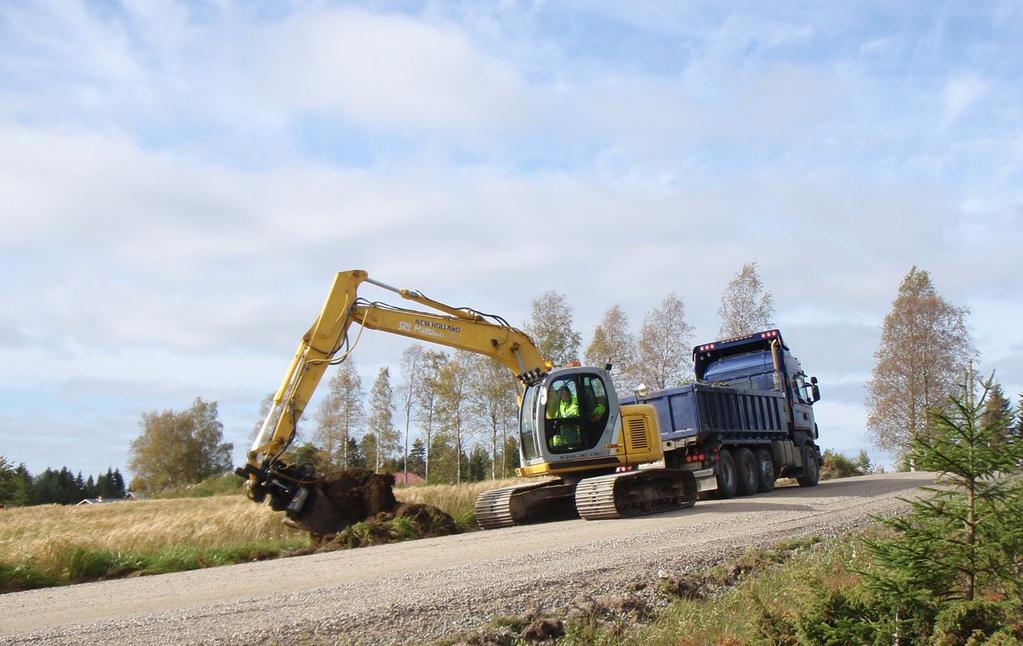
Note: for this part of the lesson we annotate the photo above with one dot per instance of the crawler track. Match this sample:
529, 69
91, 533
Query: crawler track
635, 493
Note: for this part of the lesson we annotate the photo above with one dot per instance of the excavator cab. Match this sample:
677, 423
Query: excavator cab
567, 417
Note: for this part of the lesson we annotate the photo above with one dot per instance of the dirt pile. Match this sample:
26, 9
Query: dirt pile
357, 494
365, 512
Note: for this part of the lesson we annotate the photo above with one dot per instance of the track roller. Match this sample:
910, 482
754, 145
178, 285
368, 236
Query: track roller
524, 504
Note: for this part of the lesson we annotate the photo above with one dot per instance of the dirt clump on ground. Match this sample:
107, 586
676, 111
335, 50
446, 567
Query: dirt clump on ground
357, 494
369, 514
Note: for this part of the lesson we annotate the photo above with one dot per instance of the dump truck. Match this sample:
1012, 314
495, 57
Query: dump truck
745, 422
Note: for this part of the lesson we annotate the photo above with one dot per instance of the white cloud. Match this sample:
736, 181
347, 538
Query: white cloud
960, 94
389, 72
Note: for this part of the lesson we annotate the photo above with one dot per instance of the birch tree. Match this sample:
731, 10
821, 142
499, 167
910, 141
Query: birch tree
665, 345
413, 366
341, 415
381, 419
426, 401
746, 307
492, 401
614, 343
453, 408
551, 328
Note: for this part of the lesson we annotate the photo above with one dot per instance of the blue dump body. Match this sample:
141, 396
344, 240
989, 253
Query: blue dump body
704, 411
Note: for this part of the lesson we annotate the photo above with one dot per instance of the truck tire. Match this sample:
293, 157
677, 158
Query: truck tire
747, 477
765, 469
811, 467
726, 475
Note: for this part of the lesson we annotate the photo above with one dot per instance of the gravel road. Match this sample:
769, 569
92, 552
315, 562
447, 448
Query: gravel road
424, 590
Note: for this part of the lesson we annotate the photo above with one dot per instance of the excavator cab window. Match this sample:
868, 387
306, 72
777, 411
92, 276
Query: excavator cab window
527, 425
575, 414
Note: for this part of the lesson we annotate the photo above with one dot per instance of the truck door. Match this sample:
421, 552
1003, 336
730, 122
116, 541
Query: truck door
802, 403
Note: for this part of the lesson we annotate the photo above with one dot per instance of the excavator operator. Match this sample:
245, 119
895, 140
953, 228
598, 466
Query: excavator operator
564, 409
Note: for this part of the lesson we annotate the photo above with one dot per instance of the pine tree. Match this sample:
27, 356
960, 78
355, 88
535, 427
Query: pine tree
510, 456
8, 478
417, 458
117, 487
477, 464
968, 533
22, 493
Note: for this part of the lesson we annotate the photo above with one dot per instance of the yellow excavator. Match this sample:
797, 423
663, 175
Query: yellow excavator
572, 431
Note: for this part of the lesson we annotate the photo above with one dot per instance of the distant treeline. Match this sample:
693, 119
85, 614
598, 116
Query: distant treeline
18, 487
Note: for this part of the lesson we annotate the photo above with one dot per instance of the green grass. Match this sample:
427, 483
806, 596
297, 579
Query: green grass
77, 564
749, 601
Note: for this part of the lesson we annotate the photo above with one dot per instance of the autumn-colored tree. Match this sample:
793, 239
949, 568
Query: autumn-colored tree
492, 401
551, 328
341, 414
665, 345
426, 402
179, 447
745, 306
924, 353
614, 343
381, 420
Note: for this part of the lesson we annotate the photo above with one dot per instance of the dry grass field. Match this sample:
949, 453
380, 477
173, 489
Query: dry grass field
53, 544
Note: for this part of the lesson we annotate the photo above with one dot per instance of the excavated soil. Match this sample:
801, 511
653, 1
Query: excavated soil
368, 512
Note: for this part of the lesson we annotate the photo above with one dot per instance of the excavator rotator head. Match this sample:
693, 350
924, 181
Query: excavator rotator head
295, 490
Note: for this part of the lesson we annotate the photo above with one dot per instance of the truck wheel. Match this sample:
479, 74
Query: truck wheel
746, 472
811, 467
765, 469
726, 475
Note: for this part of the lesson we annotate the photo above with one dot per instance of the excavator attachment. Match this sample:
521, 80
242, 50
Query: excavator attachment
320, 505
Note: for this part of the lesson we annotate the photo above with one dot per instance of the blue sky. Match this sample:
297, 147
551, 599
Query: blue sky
180, 182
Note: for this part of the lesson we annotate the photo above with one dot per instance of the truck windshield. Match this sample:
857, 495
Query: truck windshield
576, 413
753, 370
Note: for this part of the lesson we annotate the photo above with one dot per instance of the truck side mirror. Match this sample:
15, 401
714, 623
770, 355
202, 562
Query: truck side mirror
815, 390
